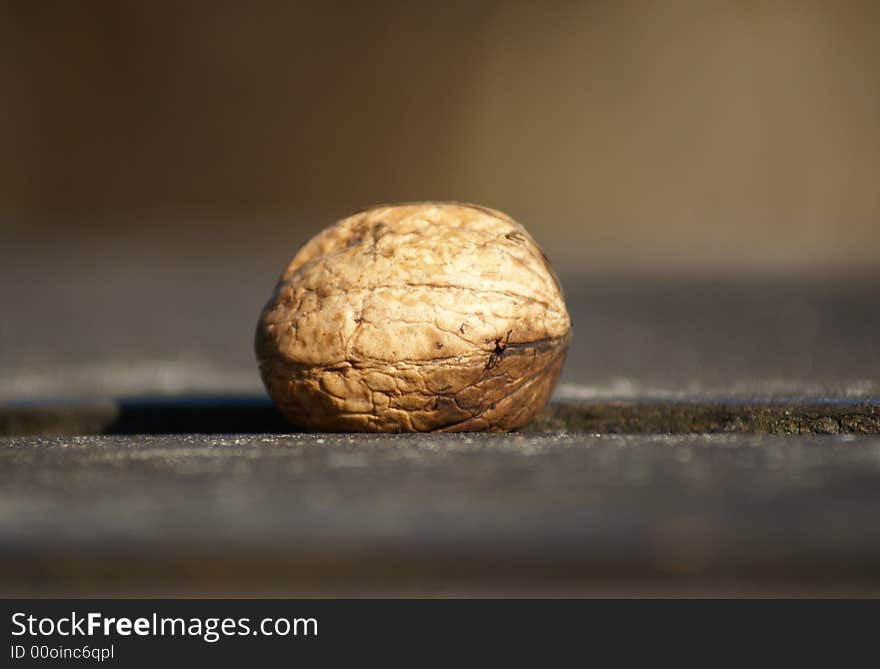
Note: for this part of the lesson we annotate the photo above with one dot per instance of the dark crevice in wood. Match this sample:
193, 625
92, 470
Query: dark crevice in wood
210, 414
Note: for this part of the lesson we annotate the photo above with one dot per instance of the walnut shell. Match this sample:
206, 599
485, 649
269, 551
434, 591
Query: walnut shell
415, 318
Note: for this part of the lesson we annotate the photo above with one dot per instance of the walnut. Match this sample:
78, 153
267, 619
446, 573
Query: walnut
415, 317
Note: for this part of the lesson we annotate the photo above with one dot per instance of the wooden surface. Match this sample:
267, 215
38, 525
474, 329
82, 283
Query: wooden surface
448, 515
709, 437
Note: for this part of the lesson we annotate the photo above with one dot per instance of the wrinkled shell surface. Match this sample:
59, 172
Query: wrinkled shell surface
418, 317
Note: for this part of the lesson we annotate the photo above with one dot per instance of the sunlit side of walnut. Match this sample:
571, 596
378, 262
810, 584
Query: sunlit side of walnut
417, 317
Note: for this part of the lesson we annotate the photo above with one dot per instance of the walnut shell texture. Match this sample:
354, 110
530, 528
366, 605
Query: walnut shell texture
415, 318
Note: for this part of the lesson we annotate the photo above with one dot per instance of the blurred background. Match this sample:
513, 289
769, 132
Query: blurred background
161, 161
